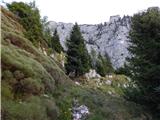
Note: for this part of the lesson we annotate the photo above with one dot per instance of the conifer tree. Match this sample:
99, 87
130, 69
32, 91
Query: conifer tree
55, 42
77, 54
93, 56
144, 64
103, 65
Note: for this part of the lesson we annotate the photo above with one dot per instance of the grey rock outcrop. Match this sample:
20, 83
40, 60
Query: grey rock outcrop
79, 112
110, 37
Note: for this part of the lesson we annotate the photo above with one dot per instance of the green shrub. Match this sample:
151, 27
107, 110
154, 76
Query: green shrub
65, 109
6, 91
32, 110
51, 109
29, 17
96, 117
28, 86
49, 51
18, 75
103, 65
6, 74
8, 77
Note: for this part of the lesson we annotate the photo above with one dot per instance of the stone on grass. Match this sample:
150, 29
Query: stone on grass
108, 82
79, 112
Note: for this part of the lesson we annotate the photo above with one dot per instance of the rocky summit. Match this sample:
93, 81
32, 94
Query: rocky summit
110, 37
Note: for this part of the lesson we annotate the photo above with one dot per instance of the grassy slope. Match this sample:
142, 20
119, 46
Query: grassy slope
35, 88
27, 75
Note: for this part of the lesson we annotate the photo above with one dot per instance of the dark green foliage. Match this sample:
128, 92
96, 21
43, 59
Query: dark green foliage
46, 31
77, 54
31, 109
93, 58
145, 47
28, 76
24, 64
123, 70
55, 43
29, 18
103, 65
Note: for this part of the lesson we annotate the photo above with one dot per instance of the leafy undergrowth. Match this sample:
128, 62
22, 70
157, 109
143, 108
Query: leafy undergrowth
35, 88
101, 104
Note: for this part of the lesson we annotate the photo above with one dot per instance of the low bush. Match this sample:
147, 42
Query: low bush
32, 110
6, 91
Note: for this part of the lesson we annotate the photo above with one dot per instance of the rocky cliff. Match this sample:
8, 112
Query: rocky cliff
110, 37
34, 87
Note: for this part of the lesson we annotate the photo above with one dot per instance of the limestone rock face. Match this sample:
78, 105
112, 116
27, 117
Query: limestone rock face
110, 37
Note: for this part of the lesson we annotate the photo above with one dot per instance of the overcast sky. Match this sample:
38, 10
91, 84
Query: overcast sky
89, 11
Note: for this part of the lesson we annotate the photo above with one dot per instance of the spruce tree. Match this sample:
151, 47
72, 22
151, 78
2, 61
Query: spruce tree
77, 54
55, 42
93, 56
144, 64
103, 65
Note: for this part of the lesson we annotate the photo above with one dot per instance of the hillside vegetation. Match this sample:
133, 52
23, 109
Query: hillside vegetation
35, 88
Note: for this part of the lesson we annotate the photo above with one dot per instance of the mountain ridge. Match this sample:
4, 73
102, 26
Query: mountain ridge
34, 87
108, 38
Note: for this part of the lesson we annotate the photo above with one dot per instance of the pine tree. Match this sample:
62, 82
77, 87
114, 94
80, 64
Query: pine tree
103, 65
77, 54
144, 64
93, 56
55, 42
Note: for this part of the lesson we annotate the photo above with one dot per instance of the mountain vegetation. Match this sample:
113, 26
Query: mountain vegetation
29, 17
144, 64
77, 54
34, 86
103, 65
28, 76
55, 43
47, 34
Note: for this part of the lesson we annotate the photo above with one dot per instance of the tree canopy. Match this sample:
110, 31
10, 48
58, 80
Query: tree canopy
30, 19
77, 54
103, 65
144, 64
55, 42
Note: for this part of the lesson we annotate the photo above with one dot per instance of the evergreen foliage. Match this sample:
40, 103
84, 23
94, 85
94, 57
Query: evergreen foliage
30, 19
144, 64
77, 55
55, 42
46, 31
103, 65
123, 70
93, 58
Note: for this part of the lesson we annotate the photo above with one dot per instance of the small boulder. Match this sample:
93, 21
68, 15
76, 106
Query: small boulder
79, 112
108, 82
77, 83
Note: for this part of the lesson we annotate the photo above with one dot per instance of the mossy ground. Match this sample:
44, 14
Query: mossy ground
35, 88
